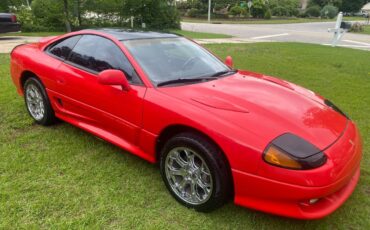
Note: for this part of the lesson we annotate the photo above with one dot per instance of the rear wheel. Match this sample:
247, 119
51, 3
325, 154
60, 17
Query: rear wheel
195, 172
37, 102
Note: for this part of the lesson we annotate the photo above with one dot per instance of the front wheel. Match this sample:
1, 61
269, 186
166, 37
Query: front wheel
195, 172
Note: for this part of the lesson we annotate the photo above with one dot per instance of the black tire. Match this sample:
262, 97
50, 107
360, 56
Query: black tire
215, 161
48, 117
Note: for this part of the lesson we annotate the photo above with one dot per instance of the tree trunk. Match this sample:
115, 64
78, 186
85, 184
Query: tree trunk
79, 13
66, 14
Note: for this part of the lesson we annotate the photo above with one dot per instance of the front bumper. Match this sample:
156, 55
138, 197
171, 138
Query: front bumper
294, 206
291, 199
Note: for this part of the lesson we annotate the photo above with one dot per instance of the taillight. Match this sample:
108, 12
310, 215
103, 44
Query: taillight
14, 18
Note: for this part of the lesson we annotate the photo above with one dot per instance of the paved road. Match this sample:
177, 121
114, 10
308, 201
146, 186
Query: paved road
301, 32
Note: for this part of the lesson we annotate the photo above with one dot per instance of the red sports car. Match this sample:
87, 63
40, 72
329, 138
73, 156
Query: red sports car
217, 132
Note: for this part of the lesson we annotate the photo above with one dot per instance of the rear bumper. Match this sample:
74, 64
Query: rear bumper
335, 182
10, 27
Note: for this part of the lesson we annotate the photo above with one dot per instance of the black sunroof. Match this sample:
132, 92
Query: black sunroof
123, 34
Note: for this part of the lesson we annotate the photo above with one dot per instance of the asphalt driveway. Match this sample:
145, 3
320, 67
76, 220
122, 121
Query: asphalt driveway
8, 43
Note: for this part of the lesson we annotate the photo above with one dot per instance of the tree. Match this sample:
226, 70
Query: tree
5, 4
78, 11
66, 15
259, 8
48, 15
322, 3
55, 15
329, 11
352, 5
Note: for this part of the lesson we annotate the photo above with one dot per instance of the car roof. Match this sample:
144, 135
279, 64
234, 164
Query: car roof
124, 34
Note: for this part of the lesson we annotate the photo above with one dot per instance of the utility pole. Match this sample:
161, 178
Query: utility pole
209, 11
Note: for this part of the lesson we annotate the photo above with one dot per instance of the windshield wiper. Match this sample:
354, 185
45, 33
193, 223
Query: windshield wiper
224, 72
204, 78
184, 80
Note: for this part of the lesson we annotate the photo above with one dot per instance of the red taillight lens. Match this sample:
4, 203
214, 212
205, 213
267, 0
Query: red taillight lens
14, 18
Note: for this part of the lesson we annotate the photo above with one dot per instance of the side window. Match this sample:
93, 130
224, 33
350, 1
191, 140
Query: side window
98, 54
63, 48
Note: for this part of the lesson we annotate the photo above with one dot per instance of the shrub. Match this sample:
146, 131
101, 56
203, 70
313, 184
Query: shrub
247, 14
259, 8
357, 27
40, 28
193, 13
218, 6
287, 11
220, 16
183, 5
279, 11
236, 11
294, 12
267, 14
329, 11
313, 11
284, 7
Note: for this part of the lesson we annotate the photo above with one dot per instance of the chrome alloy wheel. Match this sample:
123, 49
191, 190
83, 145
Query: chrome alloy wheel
188, 175
35, 102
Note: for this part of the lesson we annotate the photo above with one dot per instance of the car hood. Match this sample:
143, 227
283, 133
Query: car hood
265, 106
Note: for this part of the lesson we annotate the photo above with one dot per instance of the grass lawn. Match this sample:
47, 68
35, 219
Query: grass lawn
366, 30
194, 35
263, 21
63, 177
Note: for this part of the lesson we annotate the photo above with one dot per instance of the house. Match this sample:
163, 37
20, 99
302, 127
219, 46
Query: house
366, 8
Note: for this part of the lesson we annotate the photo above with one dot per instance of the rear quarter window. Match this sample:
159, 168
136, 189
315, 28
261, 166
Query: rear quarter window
62, 49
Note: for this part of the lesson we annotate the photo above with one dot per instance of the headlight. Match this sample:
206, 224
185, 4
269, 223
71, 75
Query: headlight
292, 152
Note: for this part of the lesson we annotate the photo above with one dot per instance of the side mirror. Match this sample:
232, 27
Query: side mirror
114, 77
229, 61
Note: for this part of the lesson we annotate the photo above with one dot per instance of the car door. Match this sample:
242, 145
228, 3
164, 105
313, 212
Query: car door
104, 109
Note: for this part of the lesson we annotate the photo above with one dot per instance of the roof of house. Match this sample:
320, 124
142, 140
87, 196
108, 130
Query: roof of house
123, 34
366, 7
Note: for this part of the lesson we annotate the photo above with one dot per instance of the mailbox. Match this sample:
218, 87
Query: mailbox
346, 25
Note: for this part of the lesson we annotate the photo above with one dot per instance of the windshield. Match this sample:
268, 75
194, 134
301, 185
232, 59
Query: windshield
166, 59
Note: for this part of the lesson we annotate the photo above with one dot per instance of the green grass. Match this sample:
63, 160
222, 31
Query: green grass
263, 21
194, 35
63, 177
366, 30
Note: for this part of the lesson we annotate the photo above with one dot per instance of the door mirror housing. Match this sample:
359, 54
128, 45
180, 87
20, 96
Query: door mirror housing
114, 77
229, 61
